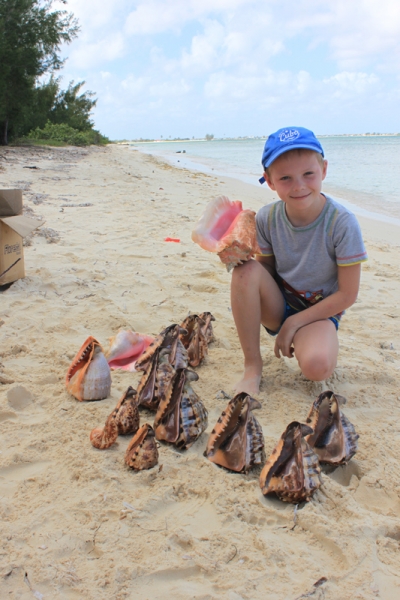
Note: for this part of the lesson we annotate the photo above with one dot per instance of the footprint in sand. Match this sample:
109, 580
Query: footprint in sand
19, 397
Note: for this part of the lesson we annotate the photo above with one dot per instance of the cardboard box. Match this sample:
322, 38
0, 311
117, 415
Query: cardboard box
13, 227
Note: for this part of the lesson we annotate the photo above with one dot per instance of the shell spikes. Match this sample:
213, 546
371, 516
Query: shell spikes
142, 452
88, 377
237, 441
292, 471
334, 438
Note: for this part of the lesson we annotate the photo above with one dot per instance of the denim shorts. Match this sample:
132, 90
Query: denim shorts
289, 312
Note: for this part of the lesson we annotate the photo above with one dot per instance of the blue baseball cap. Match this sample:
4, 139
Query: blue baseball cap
289, 138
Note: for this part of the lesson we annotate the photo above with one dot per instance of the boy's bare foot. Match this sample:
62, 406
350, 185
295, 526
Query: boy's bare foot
250, 382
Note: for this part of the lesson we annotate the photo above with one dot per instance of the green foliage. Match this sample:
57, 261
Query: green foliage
74, 109
62, 132
209, 137
49, 103
30, 37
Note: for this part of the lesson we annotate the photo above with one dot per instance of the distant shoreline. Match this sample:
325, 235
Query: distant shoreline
250, 137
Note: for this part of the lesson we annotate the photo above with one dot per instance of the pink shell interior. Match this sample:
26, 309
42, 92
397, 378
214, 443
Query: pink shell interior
126, 347
216, 222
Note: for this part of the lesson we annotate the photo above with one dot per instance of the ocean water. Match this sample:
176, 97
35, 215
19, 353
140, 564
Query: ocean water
363, 171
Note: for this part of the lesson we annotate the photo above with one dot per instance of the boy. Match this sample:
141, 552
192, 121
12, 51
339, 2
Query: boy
309, 268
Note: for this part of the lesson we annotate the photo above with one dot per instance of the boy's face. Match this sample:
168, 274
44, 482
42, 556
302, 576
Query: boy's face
297, 178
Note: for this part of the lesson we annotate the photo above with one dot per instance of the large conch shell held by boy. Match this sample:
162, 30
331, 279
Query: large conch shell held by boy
228, 230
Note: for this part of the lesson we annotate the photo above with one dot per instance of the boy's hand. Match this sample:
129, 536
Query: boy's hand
284, 339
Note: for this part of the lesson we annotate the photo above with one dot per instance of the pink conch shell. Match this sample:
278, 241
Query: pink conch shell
88, 377
228, 230
125, 348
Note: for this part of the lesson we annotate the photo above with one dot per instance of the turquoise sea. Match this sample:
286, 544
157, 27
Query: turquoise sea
363, 171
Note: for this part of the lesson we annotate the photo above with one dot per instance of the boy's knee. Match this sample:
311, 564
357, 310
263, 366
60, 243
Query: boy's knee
246, 272
317, 367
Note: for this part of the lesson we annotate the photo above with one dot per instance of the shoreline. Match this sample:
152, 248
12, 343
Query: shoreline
357, 205
377, 225
76, 519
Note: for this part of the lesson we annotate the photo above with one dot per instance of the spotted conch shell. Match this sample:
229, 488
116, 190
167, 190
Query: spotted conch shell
142, 452
228, 230
104, 437
160, 363
237, 441
292, 471
199, 333
334, 438
125, 348
124, 419
181, 416
88, 377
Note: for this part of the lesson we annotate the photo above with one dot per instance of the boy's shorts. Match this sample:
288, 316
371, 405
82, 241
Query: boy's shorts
289, 312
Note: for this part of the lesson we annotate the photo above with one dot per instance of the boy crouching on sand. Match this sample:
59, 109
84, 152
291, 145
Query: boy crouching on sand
309, 268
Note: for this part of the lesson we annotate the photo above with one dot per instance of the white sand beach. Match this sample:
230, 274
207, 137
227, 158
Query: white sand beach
75, 522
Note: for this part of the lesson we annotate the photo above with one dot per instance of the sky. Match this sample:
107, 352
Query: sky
185, 68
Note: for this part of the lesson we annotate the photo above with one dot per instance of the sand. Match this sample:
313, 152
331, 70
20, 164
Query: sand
75, 522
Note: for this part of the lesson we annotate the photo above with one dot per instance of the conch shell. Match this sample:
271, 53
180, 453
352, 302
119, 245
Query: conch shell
292, 471
334, 438
160, 362
125, 348
142, 452
124, 419
103, 438
228, 230
181, 416
88, 377
237, 441
199, 333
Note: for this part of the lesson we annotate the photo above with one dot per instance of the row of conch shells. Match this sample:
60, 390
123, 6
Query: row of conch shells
228, 230
196, 337
180, 420
142, 451
88, 377
293, 471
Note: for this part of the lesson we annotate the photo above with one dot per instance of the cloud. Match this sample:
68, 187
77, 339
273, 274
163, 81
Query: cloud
156, 16
178, 58
347, 84
90, 54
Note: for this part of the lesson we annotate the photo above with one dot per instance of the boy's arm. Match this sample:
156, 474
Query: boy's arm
268, 262
348, 282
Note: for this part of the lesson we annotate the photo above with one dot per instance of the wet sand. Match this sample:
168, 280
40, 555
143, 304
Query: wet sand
75, 519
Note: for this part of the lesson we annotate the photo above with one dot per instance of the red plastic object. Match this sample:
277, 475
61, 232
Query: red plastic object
168, 239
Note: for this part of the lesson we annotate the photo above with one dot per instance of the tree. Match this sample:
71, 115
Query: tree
209, 137
30, 37
50, 103
73, 109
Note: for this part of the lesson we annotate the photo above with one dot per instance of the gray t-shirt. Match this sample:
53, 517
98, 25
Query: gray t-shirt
307, 258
